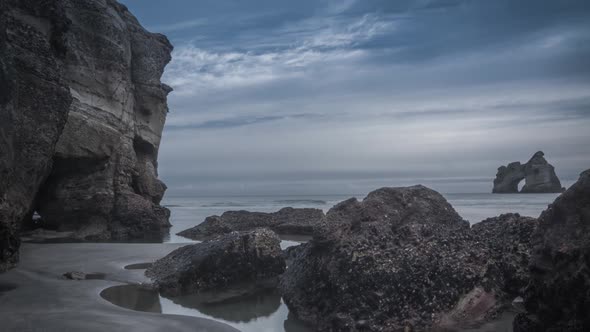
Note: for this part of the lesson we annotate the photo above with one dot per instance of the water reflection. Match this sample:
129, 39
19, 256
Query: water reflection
260, 311
6, 287
133, 297
244, 308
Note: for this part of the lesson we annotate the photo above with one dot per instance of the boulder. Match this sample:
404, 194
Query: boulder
558, 295
402, 258
538, 174
287, 221
227, 261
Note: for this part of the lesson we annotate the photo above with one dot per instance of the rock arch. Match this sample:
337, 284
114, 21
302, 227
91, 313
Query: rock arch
538, 174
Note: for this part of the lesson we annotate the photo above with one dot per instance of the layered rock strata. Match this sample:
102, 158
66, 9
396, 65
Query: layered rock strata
34, 105
81, 114
104, 183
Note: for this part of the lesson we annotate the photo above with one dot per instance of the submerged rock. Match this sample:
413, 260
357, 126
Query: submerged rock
538, 174
287, 221
403, 258
558, 295
229, 260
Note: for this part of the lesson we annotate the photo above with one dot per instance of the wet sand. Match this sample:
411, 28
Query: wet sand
36, 297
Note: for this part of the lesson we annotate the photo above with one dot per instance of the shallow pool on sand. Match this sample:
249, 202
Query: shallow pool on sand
263, 310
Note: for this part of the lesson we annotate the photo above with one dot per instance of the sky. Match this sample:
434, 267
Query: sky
334, 96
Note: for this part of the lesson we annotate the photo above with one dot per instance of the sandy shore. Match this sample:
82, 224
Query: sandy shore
35, 297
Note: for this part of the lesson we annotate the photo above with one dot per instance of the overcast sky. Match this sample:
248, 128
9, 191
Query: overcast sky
317, 96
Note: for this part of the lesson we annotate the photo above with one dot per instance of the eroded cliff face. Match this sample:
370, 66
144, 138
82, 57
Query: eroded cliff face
104, 182
81, 115
34, 103
538, 174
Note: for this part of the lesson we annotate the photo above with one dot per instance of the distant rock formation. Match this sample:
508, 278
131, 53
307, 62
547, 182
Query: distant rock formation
403, 259
558, 295
538, 174
81, 114
229, 260
286, 221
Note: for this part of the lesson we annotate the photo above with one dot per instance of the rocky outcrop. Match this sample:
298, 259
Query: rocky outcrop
558, 295
34, 104
403, 258
229, 260
104, 183
81, 114
508, 242
538, 174
287, 221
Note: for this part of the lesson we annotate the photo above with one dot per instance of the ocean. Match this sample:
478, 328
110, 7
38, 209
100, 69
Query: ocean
267, 311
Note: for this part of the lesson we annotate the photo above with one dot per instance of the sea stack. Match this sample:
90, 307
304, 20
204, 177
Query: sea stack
538, 174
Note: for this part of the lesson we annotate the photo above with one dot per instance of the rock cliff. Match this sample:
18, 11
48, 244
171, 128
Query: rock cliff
104, 181
34, 103
538, 174
82, 111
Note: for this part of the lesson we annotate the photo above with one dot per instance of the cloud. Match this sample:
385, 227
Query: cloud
178, 26
195, 71
304, 92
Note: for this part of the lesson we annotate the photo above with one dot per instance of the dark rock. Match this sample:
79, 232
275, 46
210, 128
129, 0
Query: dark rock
81, 115
508, 239
403, 258
287, 221
34, 104
524, 323
558, 295
77, 275
231, 259
290, 253
538, 174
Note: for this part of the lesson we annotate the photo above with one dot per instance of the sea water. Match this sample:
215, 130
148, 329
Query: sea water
266, 311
